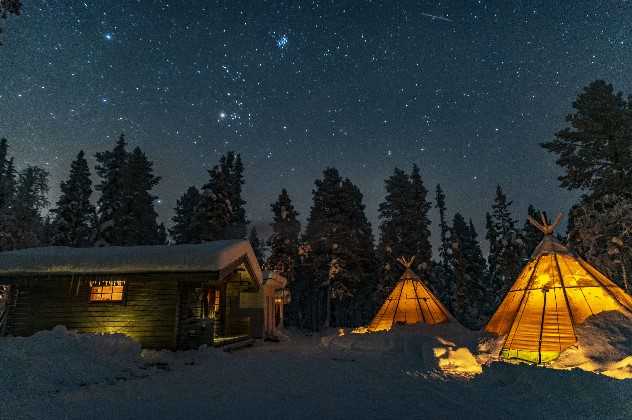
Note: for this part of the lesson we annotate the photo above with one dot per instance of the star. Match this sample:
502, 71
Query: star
281, 42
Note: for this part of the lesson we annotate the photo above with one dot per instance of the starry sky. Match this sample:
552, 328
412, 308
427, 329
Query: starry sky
465, 89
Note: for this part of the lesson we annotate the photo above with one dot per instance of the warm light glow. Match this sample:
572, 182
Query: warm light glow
555, 292
409, 303
107, 291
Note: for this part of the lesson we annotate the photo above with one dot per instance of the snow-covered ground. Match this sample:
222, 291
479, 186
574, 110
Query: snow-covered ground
411, 372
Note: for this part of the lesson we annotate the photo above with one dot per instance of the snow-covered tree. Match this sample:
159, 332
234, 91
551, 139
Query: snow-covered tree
187, 226
75, 216
601, 231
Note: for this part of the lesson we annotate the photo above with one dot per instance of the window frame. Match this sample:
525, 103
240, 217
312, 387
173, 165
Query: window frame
103, 283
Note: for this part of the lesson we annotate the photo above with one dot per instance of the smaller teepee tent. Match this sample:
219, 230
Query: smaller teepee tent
554, 293
410, 302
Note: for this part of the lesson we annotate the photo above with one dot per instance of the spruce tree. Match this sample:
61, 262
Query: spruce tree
469, 268
340, 253
444, 247
75, 216
284, 241
186, 221
442, 280
284, 253
30, 200
111, 203
595, 150
506, 247
257, 246
404, 228
139, 219
8, 186
222, 208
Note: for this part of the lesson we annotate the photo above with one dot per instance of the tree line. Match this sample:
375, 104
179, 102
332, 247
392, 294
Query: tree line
338, 272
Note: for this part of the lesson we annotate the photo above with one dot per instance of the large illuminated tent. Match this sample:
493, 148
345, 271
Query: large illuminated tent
410, 302
553, 294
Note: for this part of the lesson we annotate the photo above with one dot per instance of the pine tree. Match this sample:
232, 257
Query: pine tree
75, 216
187, 226
469, 268
111, 205
257, 246
340, 253
595, 150
222, 209
140, 218
404, 228
30, 200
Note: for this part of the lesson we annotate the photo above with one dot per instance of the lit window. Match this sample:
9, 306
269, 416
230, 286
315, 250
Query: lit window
107, 291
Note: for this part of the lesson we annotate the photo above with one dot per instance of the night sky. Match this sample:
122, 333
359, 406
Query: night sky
465, 89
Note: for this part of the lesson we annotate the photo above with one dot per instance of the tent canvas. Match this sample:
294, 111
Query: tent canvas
410, 302
555, 292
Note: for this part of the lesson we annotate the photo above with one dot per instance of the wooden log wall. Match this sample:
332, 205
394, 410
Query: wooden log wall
148, 314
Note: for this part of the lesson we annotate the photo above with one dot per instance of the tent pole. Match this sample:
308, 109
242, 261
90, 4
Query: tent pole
542, 327
423, 317
568, 305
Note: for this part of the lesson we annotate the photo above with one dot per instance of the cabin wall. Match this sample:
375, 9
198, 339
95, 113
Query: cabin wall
148, 314
158, 310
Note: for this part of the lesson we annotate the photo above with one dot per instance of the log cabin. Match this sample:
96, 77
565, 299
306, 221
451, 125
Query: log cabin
164, 297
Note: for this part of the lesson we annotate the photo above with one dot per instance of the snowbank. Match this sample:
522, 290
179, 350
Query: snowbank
604, 345
445, 348
51, 361
338, 375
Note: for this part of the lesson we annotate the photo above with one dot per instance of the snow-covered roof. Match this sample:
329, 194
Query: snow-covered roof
211, 256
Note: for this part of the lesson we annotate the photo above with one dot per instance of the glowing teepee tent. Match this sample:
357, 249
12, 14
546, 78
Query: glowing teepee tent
554, 293
410, 302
